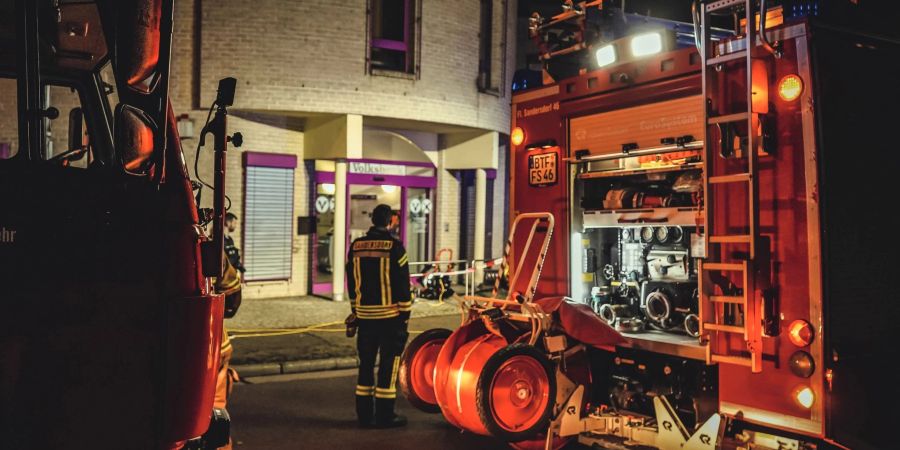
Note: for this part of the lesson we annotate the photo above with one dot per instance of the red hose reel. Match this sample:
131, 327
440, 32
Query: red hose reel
511, 365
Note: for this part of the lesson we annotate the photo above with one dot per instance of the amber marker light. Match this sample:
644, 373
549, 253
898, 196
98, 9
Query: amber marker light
790, 87
517, 136
804, 396
800, 332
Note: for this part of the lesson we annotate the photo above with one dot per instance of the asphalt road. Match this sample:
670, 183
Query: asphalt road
316, 411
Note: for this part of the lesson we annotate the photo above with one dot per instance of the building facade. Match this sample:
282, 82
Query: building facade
344, 105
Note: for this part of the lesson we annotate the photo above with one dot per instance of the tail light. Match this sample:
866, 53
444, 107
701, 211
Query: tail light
801, 333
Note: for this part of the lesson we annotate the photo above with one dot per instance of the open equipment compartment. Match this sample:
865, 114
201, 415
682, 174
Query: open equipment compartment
636, 187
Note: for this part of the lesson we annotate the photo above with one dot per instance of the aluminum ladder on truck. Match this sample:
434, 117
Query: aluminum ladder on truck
750, 265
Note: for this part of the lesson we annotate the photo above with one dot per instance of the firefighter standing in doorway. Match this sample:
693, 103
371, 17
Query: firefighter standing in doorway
378, 285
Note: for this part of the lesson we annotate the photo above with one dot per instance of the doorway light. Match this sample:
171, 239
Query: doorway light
388, 188
327, 188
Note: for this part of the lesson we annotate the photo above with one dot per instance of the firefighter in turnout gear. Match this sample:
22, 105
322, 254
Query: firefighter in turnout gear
378, 284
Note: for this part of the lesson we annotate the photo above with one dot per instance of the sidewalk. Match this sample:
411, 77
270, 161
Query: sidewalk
258, 352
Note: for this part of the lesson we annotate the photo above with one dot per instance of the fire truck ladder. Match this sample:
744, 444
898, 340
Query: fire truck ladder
716, 304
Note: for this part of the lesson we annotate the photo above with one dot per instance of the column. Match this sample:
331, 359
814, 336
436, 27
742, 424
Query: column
480, 230
339, 238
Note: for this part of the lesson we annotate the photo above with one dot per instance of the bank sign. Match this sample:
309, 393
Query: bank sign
377, 169
542, 169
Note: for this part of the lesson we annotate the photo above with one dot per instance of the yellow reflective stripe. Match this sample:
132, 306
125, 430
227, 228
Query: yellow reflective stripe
403, 260
377, 307
387, 280
384, 299
363, 315
385, 393
394, 374
357, 277
365, 391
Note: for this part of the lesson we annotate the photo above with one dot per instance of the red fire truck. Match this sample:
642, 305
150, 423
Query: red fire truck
723, 206
719, 211
110, 332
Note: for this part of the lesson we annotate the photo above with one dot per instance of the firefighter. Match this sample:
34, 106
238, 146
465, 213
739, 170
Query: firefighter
378, 286
231, 251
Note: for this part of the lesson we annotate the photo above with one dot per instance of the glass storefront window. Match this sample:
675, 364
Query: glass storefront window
324, 208
364, 199
419, 210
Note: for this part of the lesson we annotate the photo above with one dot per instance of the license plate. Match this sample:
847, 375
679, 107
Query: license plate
542, 170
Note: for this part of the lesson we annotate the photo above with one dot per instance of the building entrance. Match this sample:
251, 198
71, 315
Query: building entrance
407, 189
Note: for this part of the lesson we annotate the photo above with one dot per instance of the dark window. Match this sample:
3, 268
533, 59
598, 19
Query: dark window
9, 118
393, 35
66, 140
492, 46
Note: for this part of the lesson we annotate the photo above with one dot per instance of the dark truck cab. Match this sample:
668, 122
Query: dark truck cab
110, 331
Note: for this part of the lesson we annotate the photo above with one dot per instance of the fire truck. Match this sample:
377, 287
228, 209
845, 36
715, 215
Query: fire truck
110, 329
718, 194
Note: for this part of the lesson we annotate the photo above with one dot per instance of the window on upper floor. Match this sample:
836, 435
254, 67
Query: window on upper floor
393, 36
492, 34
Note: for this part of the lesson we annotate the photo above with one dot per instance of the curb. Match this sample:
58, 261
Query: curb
299, 366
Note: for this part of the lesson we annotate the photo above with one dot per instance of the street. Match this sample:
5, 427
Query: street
315, 411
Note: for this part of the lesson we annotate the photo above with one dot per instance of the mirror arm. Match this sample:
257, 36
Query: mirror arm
214, 250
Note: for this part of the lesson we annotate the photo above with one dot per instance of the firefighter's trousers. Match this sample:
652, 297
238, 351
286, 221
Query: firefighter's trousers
384, 338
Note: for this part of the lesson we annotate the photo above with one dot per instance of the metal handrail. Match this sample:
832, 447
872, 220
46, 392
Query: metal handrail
693, 145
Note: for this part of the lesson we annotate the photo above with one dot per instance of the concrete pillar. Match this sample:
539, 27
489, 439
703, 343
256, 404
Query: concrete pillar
480, 215
339, 238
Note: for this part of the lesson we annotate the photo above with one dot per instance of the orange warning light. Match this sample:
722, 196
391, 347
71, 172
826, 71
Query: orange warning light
801, 333
517, 136
790, 87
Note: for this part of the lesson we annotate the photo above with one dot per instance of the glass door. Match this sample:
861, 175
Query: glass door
419, 210
364, 199
324, 210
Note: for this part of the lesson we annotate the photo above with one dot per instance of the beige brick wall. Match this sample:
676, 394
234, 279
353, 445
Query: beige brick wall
499, 210
310, 56
448, 225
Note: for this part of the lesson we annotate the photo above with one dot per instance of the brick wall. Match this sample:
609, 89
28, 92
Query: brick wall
448, 219
500, 209
310, 56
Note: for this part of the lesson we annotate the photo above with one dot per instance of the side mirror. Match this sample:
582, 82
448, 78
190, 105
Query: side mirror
134, 139
76, 129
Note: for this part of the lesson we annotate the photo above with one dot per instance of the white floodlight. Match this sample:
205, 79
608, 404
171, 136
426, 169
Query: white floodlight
606, 55
646, 44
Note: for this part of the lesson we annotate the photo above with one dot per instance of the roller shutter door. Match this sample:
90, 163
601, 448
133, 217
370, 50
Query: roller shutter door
268, 213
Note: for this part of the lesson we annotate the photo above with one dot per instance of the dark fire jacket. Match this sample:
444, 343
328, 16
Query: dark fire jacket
378, 277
